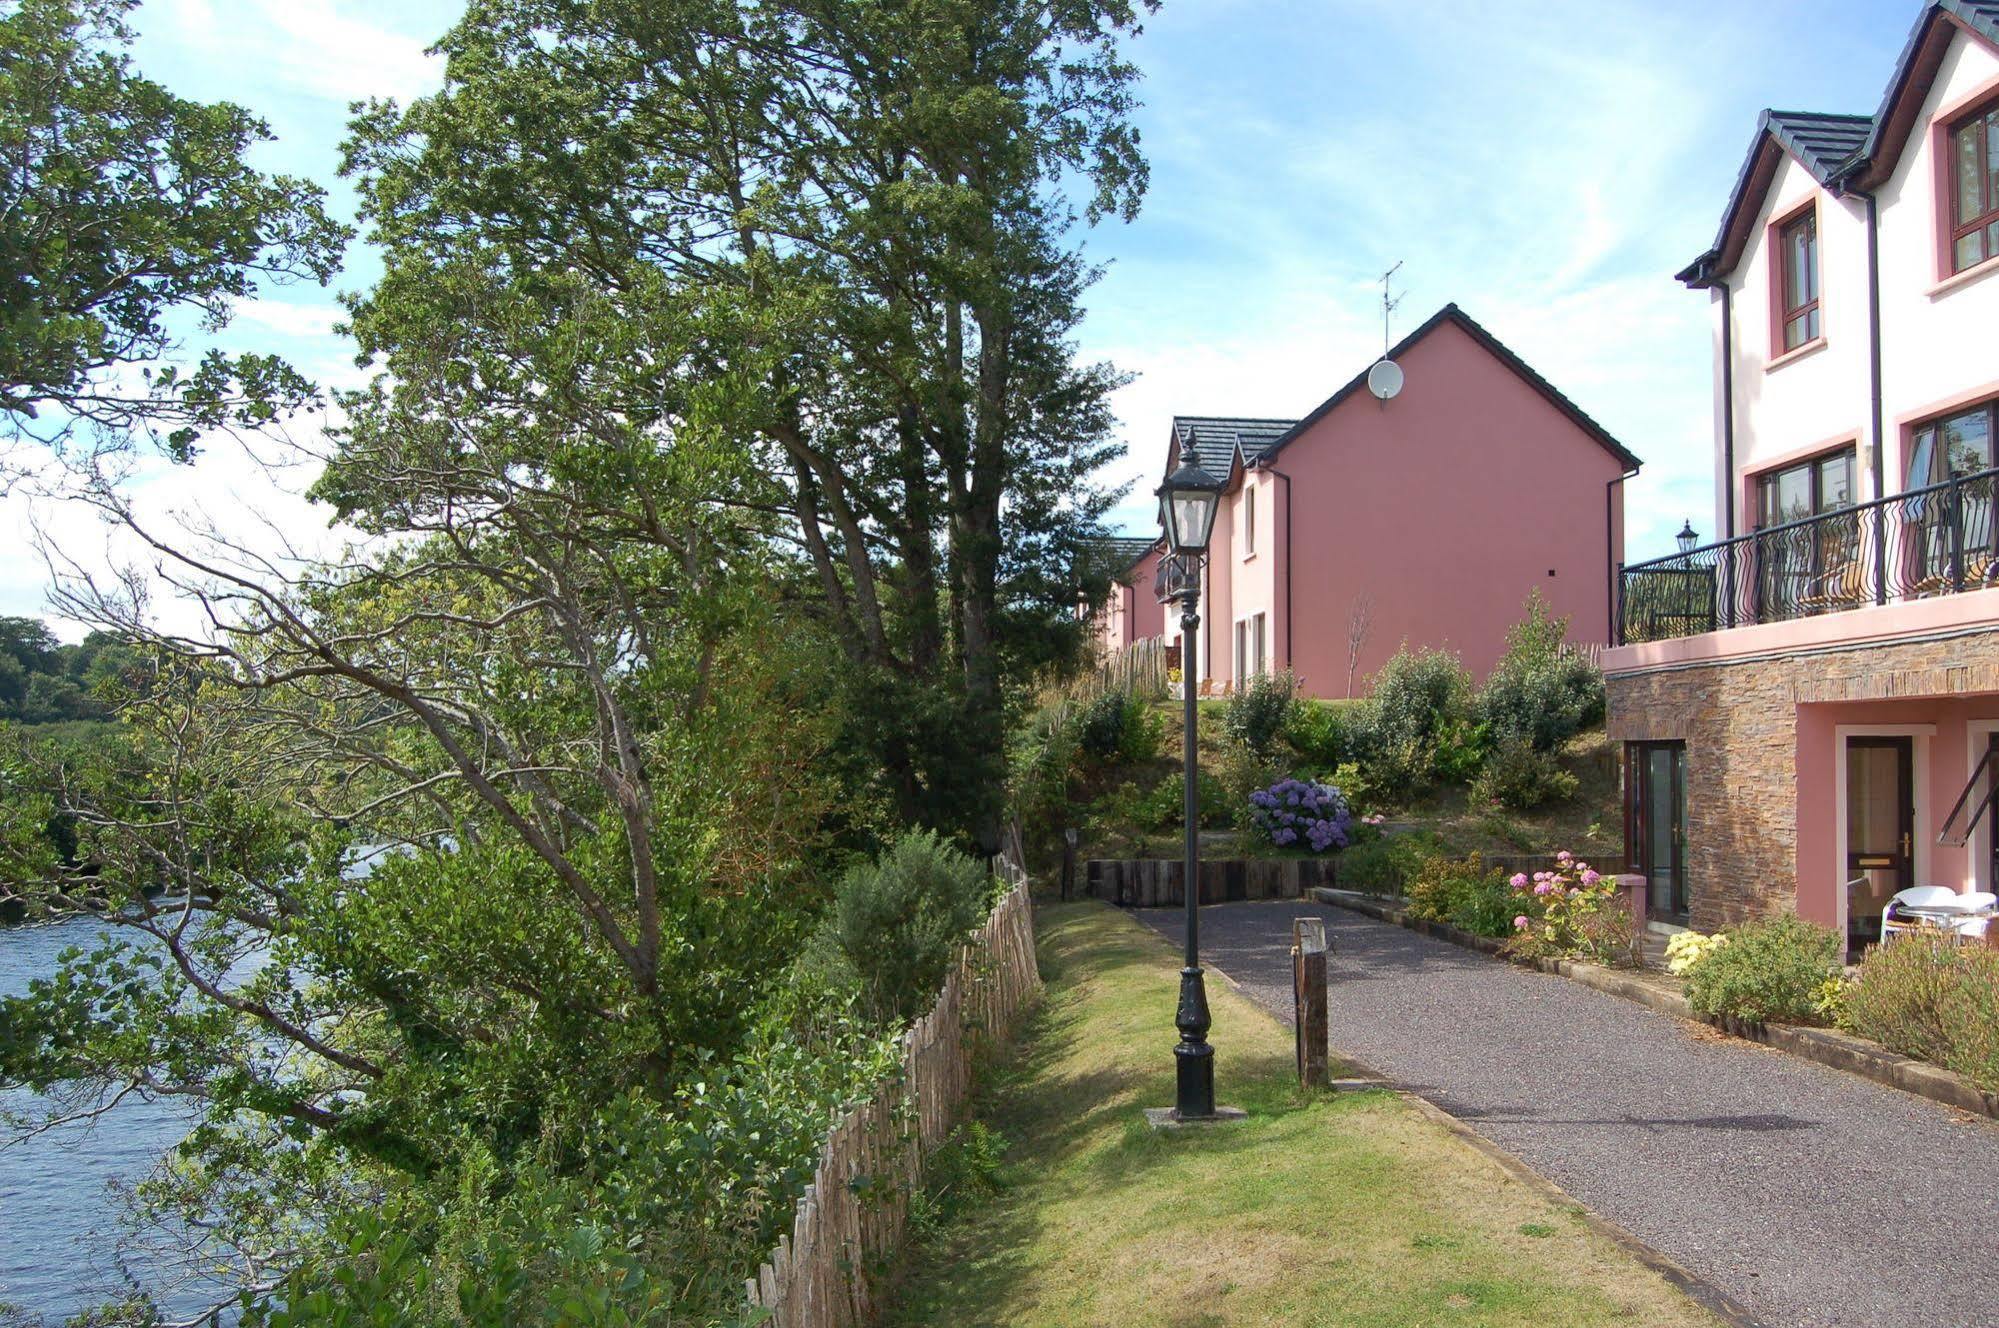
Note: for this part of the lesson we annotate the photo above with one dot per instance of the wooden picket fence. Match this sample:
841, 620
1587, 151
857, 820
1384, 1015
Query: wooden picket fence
1139, 668
848, 1225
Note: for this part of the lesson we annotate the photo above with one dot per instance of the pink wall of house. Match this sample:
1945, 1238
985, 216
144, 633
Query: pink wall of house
1446, 506
1129, 612
1148, 615
1947, 732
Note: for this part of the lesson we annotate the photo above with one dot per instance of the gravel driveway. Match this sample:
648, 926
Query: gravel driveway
1810, 1196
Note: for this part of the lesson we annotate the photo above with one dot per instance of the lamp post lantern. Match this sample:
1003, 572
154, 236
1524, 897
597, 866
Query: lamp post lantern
1686, 539
1187, 503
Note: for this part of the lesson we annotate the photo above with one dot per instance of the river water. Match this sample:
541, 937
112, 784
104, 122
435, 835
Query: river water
59, 1228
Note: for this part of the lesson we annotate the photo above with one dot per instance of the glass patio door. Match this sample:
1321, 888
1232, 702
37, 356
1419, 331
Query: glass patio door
1657, 825
1880, 831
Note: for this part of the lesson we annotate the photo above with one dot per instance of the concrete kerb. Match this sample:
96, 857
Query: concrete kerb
1825, 1046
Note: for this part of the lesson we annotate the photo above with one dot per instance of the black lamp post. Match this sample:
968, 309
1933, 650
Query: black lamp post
1187, 503
1686, 539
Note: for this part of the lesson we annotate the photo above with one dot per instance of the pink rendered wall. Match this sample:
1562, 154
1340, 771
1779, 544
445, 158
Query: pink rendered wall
1147, 615
1447, 505
1253, 572
1821, 875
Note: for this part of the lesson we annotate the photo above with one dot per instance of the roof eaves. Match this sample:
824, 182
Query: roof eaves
1877, 156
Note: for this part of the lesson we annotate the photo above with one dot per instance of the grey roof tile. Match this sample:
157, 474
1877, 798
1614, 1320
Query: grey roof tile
1823, 142
1217, 438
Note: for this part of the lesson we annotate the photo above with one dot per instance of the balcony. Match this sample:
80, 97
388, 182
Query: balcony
1919, 544
1177, 575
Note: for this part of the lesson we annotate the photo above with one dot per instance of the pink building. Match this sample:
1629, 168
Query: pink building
1805, 700
1424, 520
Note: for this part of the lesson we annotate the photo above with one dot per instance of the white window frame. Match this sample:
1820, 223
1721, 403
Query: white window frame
1249, 521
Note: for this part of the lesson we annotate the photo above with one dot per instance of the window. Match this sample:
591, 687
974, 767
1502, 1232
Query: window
1248, 521
1974, 188
1799, 242
1806, 568
1655, 824
1810, 488
1251, 648
1955, 522
1959, 444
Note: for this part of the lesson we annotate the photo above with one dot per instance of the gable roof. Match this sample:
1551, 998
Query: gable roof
1219, 439
1450, 313
1116, 555
1823, 144
1929, 40
1845, 153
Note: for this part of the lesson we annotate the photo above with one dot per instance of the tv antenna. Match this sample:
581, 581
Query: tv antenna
1388, 306
1384, 378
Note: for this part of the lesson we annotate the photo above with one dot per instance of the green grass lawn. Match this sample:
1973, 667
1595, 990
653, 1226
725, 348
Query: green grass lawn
1321, 1209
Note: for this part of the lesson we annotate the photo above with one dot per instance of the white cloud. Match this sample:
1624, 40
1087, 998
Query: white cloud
1529, 162
288, 317
315, 48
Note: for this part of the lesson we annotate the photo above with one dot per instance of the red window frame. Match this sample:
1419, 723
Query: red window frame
1983, 124
1799, 311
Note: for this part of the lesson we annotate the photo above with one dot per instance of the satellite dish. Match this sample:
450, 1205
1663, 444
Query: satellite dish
1384, 379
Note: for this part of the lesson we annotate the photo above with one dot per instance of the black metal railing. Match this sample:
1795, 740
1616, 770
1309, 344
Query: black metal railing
1937, 540
1176, 575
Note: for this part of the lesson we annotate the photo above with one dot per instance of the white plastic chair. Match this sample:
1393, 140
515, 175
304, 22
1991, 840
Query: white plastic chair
1974, 902
1917, 896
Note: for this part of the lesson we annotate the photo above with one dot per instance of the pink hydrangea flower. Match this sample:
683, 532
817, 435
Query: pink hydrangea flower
1520, 922
1543, 888
1519, 881
1590, 877
1565, 856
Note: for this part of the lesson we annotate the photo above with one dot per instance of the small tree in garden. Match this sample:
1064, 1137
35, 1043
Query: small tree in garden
1259, 711
1540, 694
1360, 622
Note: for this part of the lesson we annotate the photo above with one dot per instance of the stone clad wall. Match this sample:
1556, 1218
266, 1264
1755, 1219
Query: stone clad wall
1739, 721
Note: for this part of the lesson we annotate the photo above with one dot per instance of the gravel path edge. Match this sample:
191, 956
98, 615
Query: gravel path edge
1823, 1046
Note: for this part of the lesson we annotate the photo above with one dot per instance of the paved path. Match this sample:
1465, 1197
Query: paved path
1810, 1196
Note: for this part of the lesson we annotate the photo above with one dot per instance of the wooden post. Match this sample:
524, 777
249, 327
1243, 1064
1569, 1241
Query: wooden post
1068, 862
1308, 991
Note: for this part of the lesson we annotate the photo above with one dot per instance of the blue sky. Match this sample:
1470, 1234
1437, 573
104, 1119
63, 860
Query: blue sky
1547, 164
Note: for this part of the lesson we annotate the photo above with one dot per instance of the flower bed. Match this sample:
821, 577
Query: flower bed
1298, 812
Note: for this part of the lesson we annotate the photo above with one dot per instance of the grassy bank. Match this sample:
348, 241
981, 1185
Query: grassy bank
1590, 824
1322, 1209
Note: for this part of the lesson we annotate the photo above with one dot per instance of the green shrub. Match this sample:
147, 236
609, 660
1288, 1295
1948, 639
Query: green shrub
1117, 726
1519, 776
1769, 972
1100, 726
1417, 695
1041, 759
1464, 893
1386, 777
1461, 751
1258, 712
1384, 866
896, 923
1323, 734
1932, 999
1538, 694
1162, 808
1241, 772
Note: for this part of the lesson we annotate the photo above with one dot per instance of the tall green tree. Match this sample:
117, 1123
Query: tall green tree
130, 220
838, 235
